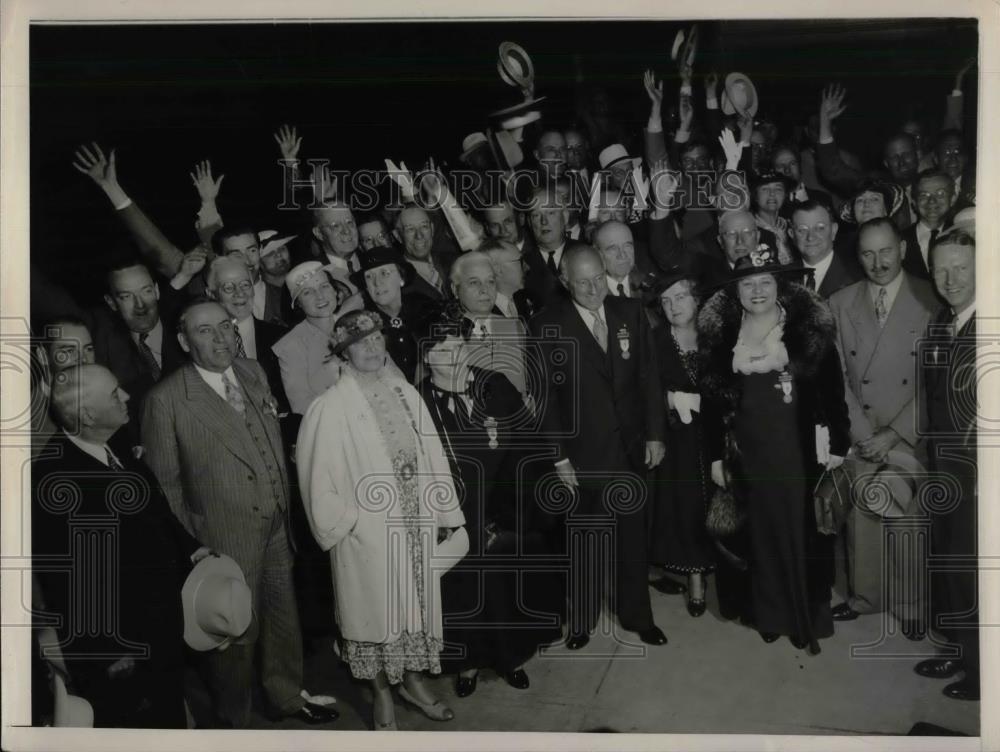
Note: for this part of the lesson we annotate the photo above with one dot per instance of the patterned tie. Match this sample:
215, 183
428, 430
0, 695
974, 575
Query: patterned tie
234, 395
811, 281
621, 290
147, 355
881, 314
552, 263
113, 462
240, 349
600, 330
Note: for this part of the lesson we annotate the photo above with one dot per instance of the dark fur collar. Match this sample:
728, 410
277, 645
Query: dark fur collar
809, 331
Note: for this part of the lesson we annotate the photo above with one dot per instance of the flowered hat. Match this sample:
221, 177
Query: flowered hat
764, 260
353, 327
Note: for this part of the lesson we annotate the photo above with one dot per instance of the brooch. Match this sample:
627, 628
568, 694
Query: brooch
396, 323
491, 430
623, 342
785, 385
270, 406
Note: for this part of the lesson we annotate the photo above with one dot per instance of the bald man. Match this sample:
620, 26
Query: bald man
497, 342
604, 415
129, 665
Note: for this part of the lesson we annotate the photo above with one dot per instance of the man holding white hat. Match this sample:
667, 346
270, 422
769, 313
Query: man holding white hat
130, 667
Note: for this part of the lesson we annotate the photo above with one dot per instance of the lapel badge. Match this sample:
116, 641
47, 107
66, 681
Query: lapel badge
623, 342
491, 430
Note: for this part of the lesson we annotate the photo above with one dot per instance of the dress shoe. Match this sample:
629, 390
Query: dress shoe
965, 689
696, 606
843, 612
314, 714
466, 685
517, 679
575, 642
938, 668
653, 636
669, 586
436, 711
913, 629
768, 637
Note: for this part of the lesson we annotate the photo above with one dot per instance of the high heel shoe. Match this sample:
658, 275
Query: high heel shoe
466, 685
696, 606
768, 637
436, 711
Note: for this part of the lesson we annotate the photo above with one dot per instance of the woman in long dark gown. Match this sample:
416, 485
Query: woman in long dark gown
678, 540
384, 277
772, 372
489, 597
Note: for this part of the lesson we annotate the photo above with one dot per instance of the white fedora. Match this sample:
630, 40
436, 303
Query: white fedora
218, 605
740, 95
614, 154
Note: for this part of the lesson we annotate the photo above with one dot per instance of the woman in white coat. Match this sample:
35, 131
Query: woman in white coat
380, 498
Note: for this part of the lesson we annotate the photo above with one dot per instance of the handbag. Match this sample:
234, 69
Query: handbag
832, 500
725, 514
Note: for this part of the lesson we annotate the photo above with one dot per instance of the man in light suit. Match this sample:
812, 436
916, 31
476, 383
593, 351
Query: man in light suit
212, 439
602, 409
948, 421
879, 323
496, 342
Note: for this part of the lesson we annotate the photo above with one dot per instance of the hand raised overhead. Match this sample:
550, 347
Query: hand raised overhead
207, 187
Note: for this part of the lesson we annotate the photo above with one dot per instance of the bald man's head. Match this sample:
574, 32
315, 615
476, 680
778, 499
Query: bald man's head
87, 401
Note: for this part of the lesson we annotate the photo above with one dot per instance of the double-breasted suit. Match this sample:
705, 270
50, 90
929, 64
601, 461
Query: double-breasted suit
225, 478
502, 350
880, 375
600, 408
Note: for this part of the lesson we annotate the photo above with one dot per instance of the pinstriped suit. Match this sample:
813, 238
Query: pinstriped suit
226, 480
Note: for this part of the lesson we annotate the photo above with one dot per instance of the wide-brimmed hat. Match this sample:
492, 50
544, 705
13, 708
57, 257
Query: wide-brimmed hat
965, 220
471, 143
739, 95
356, 328
889, 489
763, 260
380, 256
218, 605
684, 47
614, 154
665, 280
270, 241
299, 275
892, 196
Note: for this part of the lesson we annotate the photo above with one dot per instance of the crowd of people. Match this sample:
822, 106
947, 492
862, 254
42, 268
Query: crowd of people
458, 428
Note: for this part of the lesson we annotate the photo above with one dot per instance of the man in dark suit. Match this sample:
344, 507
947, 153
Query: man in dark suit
134, 337
424, 247
212, 438
548, 218
879, 322
935, 196
512, 300
948, 421
813, 230
130, 668
602, 408
228, 281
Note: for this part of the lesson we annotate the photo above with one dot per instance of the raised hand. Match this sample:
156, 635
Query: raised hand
663, 183
831, 105
653, 89
96, 166
289, 142
194, 262
960, 76
324, 184
711, 84
730, 148
745, 122
431, 184
207, 187
686, 111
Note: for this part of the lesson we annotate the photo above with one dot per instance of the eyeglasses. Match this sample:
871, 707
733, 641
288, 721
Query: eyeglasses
941, 195
746, 234
231, 287
382, 239
423, 227
341, 227
817, 229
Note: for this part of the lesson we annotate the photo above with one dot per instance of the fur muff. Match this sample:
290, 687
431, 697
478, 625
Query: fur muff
809, 332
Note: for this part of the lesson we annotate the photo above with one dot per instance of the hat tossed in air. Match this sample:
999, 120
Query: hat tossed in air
217, 603
739, 95
471, 143
270, 241
516, 69
380, 256
684, 47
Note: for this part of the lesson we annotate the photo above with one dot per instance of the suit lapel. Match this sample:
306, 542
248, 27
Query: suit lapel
217, 415
591, 350
257, 392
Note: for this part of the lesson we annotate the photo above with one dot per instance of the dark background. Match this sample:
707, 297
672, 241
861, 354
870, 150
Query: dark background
168, 96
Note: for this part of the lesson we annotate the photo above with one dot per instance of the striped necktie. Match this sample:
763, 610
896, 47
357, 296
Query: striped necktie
241, 351
881, 313
234, 395
147, 355
113, 462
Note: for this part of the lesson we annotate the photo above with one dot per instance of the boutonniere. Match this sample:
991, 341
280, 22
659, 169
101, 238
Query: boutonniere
623, 342
270, 405
491, 430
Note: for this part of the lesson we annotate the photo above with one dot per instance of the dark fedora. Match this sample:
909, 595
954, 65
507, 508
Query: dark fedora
669, 278
380, 256
764, 178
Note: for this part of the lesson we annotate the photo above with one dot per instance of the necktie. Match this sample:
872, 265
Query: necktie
811, 281
240, 349
552, 263
881, 314
113, 462
147, 355
930, 244
621, 290
234, 395
600, 330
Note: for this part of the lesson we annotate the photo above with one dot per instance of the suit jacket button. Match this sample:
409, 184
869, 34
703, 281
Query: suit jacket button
256, 509
865, 381
867, 407
853, 352
904, 381
249, 477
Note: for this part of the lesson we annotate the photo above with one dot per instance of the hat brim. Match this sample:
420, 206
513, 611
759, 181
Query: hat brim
406, 271
211, 566
902, 485
339, 347
896, 197
728, 106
